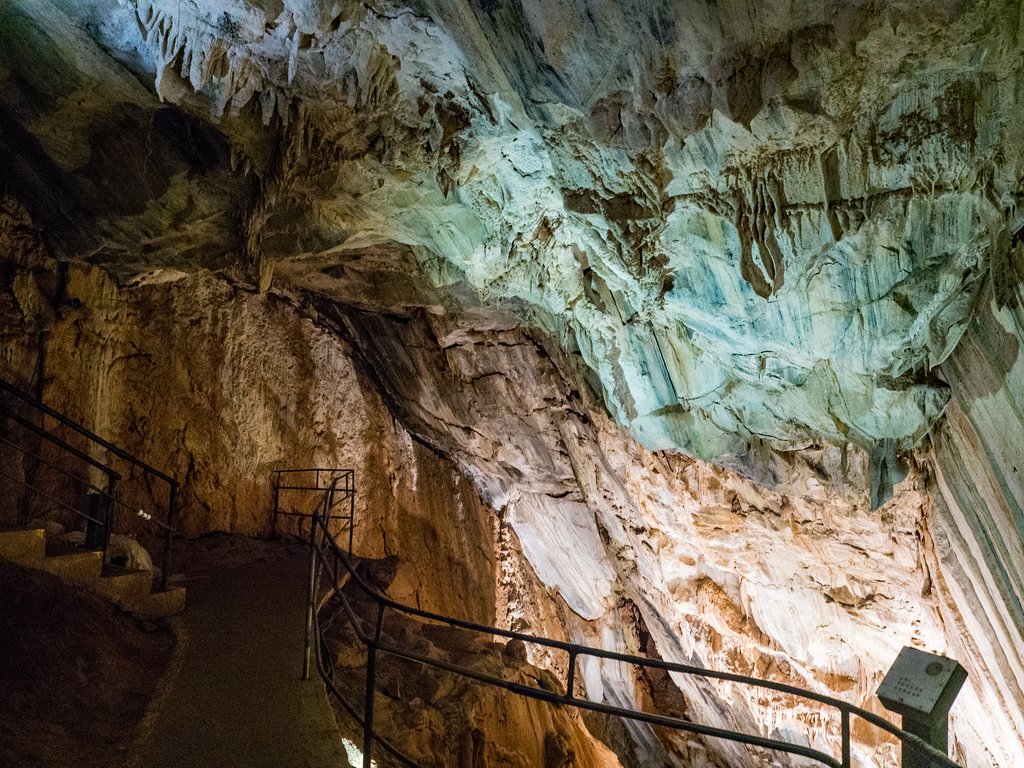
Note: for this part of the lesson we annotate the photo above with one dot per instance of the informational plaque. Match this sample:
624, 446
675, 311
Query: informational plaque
921, 685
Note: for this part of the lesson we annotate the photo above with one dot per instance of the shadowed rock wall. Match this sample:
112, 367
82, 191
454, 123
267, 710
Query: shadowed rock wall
216, 385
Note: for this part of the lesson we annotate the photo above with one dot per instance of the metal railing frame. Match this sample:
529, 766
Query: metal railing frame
326, 555
112, 476
81, 481
283, 482
52, 499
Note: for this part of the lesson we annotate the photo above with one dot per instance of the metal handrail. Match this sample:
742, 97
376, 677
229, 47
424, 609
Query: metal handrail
71, 476
172, 482
50, 498
323, 546
55, 467
121, 453
35, 429
347, 476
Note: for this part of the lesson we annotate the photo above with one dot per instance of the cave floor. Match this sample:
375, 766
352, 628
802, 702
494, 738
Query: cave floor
235, 696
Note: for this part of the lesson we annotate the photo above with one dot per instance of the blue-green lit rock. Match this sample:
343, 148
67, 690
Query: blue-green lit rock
749, 232
752, 231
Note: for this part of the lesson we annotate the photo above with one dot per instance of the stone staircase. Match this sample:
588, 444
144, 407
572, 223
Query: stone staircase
131, 590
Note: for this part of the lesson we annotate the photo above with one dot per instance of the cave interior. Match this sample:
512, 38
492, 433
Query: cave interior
684, 329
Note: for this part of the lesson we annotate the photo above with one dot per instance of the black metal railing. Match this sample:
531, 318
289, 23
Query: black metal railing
103, 501
326, 557
314, 481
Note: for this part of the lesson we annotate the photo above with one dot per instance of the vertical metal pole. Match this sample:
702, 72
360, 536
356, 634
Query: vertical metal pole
318, 570
934, 730
108, 514
371, 682
846, 738
371, 671
310, 599
165, 565
277, 501
570, 680
351, 519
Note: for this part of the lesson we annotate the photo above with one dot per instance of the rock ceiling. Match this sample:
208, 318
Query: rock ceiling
755, 223
784, 235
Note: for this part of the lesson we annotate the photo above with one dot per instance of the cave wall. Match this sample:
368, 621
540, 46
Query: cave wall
545, 516
785, 236
218, 385
979, 526
174, 371
803, 583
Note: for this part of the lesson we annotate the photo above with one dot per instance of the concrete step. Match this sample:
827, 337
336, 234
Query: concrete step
23, 545
79, 568
125, 586
130, 589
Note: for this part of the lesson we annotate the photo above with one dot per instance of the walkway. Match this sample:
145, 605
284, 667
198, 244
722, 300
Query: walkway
237, 699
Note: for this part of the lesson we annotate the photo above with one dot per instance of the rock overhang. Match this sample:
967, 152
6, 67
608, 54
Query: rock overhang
754, 225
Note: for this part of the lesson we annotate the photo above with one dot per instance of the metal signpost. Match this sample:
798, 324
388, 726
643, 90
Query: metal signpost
922, 686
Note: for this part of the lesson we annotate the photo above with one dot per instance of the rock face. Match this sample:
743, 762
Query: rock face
556, 255
754, 222
439, 719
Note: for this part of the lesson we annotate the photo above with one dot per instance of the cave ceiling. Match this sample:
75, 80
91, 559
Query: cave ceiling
753, 225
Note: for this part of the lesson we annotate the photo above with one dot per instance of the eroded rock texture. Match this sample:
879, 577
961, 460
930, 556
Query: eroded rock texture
572, 248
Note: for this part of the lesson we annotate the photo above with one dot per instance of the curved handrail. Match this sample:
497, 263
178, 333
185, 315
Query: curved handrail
322, 546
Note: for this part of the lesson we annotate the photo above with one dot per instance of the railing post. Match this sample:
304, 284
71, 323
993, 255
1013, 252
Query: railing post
108, 514
351, 519
328, 503
277, 501
165, 565
846, 738
371, 682
310, 600
570, 679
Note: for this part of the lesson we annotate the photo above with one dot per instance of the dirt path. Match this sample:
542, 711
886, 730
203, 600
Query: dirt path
236, 698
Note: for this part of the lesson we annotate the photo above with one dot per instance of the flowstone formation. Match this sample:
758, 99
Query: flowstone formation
573, 244
755, 223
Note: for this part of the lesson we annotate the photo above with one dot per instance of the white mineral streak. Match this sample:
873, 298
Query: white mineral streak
564, 547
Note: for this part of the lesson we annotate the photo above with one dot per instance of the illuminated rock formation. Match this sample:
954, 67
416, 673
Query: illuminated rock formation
575, 249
